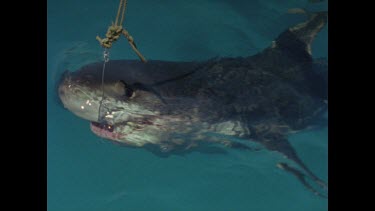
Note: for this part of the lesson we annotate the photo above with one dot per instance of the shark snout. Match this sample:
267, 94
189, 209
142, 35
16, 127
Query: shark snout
77, 96
63, 83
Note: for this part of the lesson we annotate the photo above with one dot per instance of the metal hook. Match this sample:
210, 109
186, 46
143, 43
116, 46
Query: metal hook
106, 55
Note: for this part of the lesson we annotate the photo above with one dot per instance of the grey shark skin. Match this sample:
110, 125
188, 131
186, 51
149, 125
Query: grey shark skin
171, 107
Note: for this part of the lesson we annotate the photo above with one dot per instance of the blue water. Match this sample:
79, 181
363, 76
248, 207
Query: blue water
89, 173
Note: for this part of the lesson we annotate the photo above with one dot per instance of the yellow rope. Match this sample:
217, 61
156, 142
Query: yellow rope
123, 12
115, 30
118, 12
132, 44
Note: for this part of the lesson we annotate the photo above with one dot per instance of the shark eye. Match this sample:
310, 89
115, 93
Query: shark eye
129, 92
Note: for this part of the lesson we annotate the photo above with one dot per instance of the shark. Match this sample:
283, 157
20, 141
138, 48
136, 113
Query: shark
177, 107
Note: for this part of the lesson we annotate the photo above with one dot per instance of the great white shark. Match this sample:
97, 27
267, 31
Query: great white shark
175, 107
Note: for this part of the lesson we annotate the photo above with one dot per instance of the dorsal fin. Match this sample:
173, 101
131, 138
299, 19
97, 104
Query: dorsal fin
289, 56
299, 37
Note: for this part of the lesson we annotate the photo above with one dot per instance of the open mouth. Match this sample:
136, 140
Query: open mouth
127, 128
106, 127
103, 130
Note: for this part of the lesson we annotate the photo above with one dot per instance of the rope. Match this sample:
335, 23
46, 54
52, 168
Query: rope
123, 12
115, 30
118, 12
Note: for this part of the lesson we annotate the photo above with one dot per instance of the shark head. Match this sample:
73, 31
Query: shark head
125, 107
115, 108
